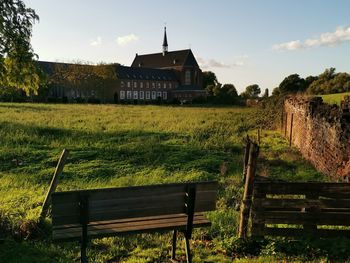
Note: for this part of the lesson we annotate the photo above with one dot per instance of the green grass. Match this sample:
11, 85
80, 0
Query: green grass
334, 98
114, 145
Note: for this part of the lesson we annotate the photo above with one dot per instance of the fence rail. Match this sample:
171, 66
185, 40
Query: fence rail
294, 209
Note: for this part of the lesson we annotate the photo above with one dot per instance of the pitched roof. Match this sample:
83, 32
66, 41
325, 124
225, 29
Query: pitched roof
145, 73
169, 60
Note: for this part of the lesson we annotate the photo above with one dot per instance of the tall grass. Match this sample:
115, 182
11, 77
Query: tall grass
113, 145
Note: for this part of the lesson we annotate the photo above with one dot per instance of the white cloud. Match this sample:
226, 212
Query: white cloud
124, 40
96, 42
292, 45
212, 63
329, 39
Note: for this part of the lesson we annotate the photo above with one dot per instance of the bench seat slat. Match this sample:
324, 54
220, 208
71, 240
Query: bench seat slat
118, 227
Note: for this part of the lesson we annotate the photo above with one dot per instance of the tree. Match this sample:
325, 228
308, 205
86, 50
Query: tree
292, 84
266, 93
209, 78
252, 91
17, 65
229, 90
276, 92
222, 94
330, 82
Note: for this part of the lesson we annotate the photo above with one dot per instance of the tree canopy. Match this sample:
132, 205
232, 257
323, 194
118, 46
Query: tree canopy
251, 92
17, 65
330, 82
292, 84
226, 94
209, 78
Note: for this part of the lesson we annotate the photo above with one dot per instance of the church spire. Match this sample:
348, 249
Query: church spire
165, 43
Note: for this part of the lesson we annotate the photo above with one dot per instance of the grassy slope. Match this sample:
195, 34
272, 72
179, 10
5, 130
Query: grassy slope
334, 98
129, 145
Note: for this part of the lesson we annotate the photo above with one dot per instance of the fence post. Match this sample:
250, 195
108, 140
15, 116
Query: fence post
246, 158
291, 130
248, 190
54, 182
311, 227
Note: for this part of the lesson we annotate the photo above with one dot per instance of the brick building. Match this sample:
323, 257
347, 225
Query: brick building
162, 76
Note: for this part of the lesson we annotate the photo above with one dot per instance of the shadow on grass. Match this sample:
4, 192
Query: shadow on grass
30, 251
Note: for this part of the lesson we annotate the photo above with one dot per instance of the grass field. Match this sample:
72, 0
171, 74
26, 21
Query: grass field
113, 145
334, 98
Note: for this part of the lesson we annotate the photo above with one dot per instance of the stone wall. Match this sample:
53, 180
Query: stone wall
321, 132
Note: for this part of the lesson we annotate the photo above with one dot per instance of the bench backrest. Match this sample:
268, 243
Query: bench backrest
130, 202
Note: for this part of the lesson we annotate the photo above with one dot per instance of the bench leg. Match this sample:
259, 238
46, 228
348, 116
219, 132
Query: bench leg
83, 245
83, 257
188, 250
173, 251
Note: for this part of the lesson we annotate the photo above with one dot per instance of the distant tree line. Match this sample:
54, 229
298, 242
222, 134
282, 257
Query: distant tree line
327, 82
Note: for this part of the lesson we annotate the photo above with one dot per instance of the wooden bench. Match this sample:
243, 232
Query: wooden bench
80, 215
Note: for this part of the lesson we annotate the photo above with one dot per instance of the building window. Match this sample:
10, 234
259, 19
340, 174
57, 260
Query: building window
135, 95
188, 77
159, 94
164, 86
122, 94
165, 95
147, 85
153, 85
153, 95
135, 84
128, 95
148, 95
141, 85
141, 95
170, 85
122, 84
128, 84
158, 85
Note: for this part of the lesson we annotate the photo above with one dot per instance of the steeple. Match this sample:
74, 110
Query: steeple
165, 43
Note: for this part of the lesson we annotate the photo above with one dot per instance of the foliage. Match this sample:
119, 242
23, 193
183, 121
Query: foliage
222, 94
17, 66
327, 82
330, 82
209, 78
292, 84
251, 92
266, 93
85, 82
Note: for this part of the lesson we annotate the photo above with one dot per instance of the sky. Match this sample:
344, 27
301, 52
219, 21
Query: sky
242, 41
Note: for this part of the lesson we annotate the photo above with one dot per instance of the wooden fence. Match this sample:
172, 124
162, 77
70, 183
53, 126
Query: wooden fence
295, 209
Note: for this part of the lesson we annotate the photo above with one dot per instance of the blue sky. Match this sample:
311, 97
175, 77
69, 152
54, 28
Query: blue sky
243, 42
